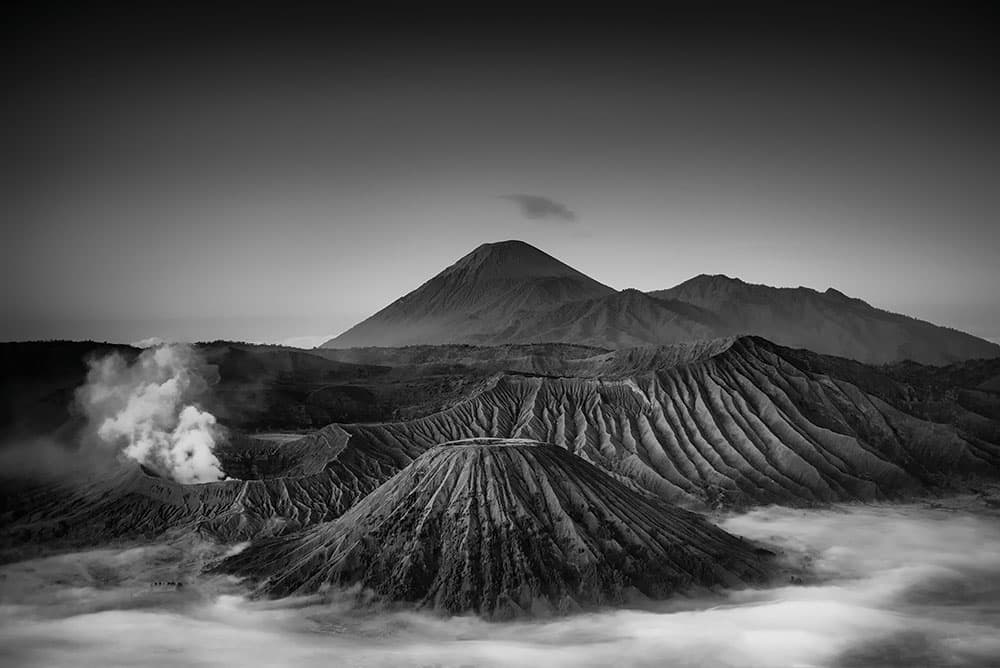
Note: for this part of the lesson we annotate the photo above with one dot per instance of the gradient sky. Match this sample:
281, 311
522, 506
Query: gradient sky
268, 176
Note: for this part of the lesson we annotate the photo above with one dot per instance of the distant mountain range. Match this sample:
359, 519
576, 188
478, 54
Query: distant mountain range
511, 292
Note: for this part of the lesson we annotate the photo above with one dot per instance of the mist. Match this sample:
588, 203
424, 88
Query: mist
880, 586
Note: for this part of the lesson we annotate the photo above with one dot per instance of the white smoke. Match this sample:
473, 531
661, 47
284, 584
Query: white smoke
146, 409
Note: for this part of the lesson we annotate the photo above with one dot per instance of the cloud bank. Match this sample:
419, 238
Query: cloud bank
889, 586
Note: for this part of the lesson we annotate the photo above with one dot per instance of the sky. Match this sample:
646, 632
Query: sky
280, 176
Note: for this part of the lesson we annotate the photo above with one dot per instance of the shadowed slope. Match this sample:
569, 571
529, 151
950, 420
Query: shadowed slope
621, 320
503, 528
826, 322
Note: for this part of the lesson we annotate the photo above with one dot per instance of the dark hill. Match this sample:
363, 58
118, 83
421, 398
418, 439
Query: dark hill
620, 320
826, 322
503, 528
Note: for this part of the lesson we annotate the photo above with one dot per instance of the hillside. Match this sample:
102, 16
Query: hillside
741, 423
503, 528
826, 322
623, 319
724, 424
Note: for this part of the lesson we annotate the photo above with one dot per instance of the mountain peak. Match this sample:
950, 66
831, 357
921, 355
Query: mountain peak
516, 244
475, 298
715, 278
512, 259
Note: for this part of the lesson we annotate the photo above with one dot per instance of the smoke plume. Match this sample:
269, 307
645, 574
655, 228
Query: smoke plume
147, 410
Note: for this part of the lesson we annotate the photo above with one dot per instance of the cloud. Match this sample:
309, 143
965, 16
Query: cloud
536, 207
888, 586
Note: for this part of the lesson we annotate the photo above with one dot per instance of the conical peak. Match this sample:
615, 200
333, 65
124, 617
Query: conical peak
510, 244
511, 249
512, 260
429, 536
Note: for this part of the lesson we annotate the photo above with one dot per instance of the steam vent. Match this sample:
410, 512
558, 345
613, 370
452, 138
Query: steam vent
503, 528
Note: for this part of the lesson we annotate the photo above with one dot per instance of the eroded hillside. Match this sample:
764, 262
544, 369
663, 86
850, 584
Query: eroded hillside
727, 423
504, 528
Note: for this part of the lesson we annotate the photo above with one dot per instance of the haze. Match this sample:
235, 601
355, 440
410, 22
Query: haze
246, 179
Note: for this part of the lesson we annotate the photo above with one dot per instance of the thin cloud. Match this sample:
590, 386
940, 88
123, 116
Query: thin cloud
536, 207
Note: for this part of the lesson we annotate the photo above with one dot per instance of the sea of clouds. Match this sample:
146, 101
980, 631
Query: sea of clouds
909, 585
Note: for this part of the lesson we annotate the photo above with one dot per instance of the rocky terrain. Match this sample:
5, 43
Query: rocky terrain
503, 528
262, 388
727, 423
739, 422
510, 292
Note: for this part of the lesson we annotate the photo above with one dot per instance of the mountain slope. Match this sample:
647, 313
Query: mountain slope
729, 423
826, 322
474, 298
741, 423
621, 320
503, 528
512, 293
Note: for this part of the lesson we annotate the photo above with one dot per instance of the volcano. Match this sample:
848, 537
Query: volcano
504, 528
476, 298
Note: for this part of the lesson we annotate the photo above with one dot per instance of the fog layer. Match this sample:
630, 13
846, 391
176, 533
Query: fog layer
880, 586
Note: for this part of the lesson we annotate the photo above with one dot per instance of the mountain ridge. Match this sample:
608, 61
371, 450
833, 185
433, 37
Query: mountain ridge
828, 322
512, 293
730, 423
